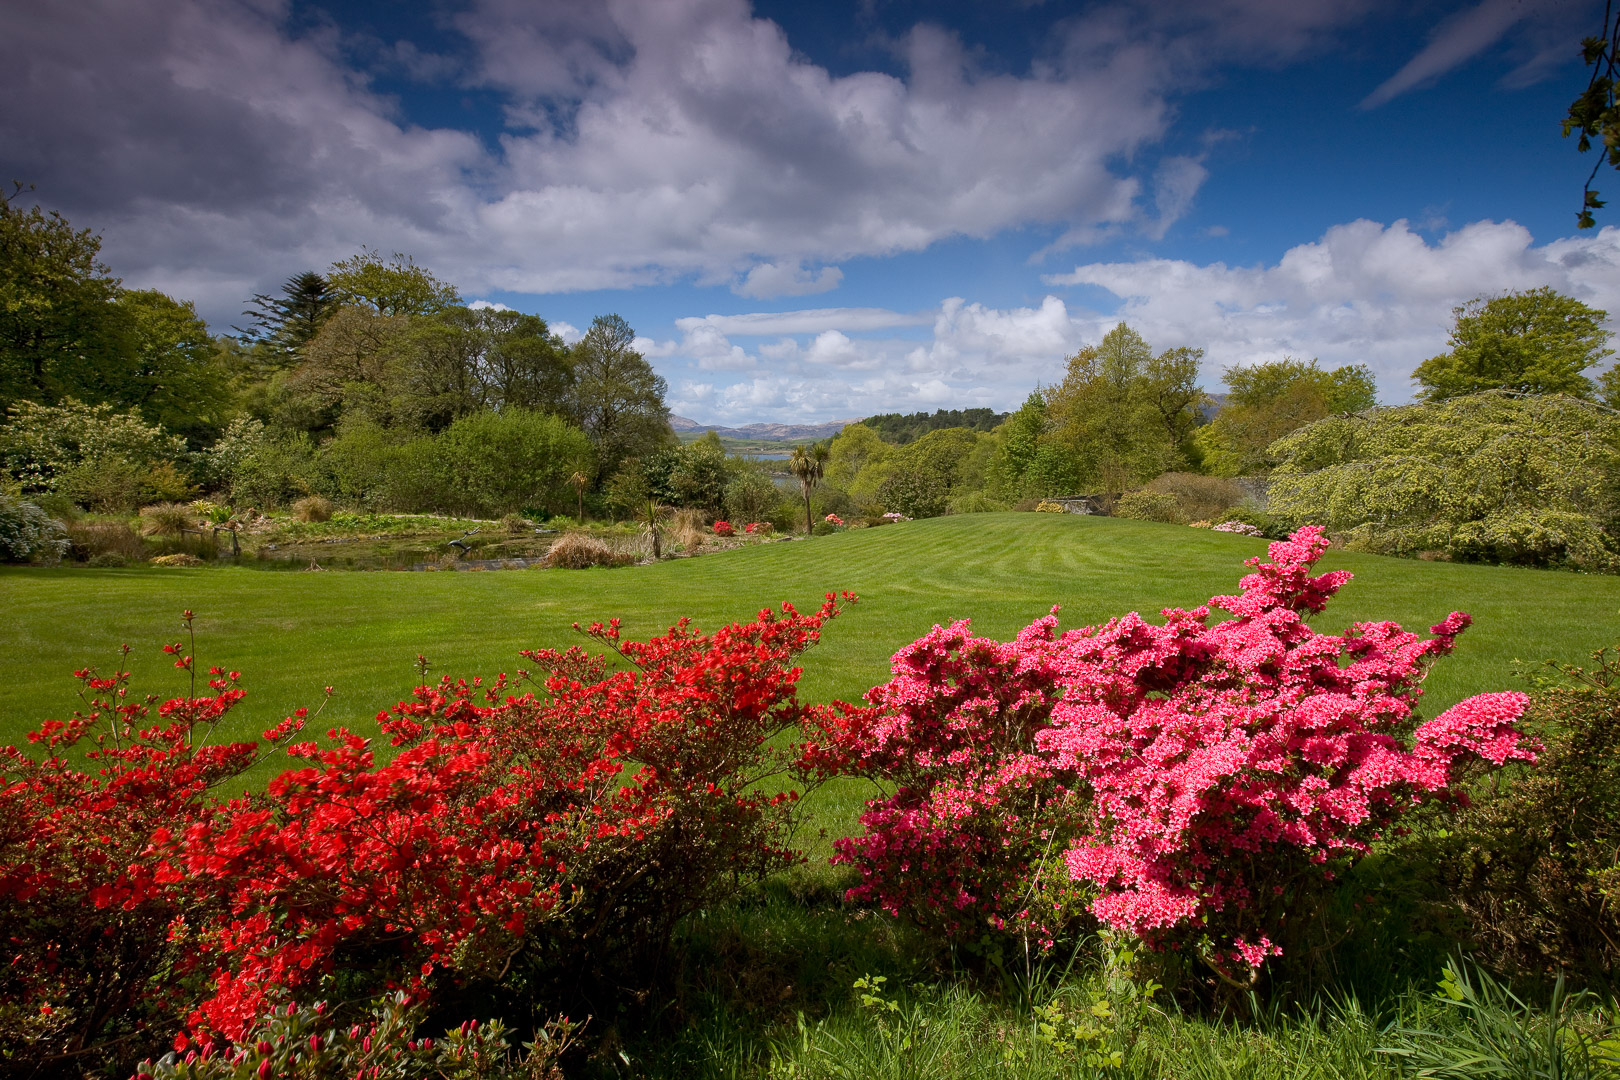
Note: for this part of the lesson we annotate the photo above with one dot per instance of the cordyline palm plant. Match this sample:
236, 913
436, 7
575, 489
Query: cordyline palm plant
807, 463
580, 480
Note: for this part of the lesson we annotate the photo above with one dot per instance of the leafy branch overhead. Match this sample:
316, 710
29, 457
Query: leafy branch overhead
1595, 114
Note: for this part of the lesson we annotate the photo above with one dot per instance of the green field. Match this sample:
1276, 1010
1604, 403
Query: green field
292, 633
756, 968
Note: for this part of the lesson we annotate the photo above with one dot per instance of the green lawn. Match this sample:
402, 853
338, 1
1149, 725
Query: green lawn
292, 633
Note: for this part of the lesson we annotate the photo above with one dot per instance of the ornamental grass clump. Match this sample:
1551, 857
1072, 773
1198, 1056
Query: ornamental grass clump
579, 551
1215, 778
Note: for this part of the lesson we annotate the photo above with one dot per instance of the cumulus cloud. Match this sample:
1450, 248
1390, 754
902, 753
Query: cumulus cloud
219, 147
769, 280
1363, 293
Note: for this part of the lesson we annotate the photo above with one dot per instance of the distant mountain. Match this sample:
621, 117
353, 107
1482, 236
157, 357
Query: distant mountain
767, 432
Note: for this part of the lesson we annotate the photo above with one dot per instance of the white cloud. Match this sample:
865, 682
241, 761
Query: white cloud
567, 331
810, 321
788, 278
219, 149
1455, 41
1539, 43
1363, 293
487, 305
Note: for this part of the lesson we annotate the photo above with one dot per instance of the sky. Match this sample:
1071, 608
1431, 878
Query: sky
819, 211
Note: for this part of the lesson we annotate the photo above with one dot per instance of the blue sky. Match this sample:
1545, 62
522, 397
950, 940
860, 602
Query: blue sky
818, 211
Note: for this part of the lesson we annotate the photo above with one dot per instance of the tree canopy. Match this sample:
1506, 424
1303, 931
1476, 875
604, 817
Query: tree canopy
59, 334
1122, 413
1533, 342
1269, 400
1489, 476
396, 286
618, 398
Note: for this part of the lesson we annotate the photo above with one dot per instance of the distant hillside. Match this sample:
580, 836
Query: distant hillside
767, 432
895, 428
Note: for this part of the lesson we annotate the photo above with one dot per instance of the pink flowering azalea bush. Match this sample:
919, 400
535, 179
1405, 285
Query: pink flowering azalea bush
976, 810
1215, 777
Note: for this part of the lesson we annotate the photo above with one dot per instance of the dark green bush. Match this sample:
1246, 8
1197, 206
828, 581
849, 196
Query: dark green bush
1534, 865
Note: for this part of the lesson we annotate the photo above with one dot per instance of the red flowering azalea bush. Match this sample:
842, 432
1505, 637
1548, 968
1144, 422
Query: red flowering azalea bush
552, 836
94, 917
724, 528
1227, 772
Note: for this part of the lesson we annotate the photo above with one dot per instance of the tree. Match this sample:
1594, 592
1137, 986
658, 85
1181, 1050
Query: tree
1490, 476
286, 323
1596, 112
395, 287
1267, 401
617, 397
1609, 388
1122, 413
60, 336
176, 381
1532, 342
925, 473
807, 464
852, 449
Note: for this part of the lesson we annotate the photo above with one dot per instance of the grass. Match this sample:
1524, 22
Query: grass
771, 984
291, 634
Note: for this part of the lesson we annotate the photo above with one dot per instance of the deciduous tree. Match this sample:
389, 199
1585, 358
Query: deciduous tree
617, 398
1533, 342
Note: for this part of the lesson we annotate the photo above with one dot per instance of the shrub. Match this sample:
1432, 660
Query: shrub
1047, 506
73, 447
489, 463
723, 528
752, 494
1228, 772
974, 502
304, 1041
1534, 864
1242, 528
555, 836
517, 525
578, 551
166, 483
313, 508
1148, 506
91, 539
27, 533
1524, 478
1198, 496
167, 519
111, 485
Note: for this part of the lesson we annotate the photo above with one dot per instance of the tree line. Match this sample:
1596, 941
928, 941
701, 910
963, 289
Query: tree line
371, 381
374, 384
